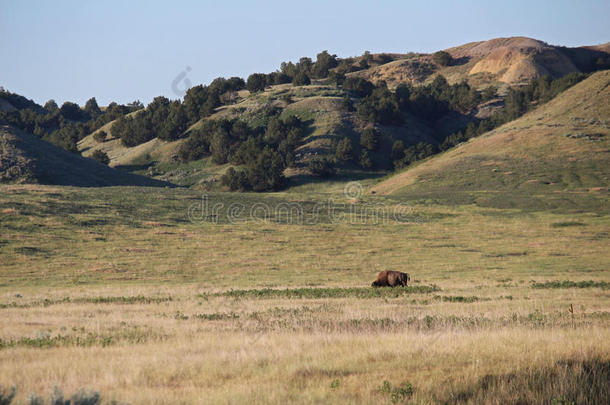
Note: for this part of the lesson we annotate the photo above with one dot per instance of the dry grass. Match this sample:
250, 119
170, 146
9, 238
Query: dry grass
275, 351
115, 290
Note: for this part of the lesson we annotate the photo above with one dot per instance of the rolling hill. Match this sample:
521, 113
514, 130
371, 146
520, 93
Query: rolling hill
499, 62
319, 105
563, 145
24, 158
502, 62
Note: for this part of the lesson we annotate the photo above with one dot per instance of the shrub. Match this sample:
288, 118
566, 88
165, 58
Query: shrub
219, 146
324, 62
365, 160
358, 86
57, 397
100, 136
235, 180
51, 106
442, 58
267, 173
301, 79
264, 173
380, 106
6, 396
337, 78
71, 111
369, 139
347, 103
92, 108
35, 400
81, 397
100, 156
320, 166
398, 151
174, 124
196, 146
86, 397
256, 82
344, 150
453, 140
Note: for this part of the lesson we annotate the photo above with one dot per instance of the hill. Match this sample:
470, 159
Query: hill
155, 159
323, 107
318, 105
24, 158
561, 146
499, 61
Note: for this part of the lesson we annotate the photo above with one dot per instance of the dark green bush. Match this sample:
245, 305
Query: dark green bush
100, 156
100, 136
442, 58
321, 166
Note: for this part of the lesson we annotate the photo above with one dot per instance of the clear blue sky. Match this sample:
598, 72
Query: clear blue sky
126, 50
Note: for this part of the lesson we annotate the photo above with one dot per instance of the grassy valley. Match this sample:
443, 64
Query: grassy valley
481, 170
278, 308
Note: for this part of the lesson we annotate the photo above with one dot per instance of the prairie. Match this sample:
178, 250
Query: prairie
154, 295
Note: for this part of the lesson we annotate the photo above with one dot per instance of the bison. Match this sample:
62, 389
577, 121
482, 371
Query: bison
390, 278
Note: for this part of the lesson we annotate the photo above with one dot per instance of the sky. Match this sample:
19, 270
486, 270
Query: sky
135, 50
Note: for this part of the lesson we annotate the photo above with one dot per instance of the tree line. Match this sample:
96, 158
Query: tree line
274, 142
62, 126
167, 119
326, 66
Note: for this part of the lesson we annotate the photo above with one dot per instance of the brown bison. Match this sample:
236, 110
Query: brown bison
390, 278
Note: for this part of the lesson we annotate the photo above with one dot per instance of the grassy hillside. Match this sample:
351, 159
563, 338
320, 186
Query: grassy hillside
502, 62
561, 146
24, 158
156, 159
318, 105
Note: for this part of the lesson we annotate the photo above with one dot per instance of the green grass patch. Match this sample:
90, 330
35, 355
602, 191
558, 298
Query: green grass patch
572, 284
217, 316
139, 299
353, 292
564, 224
397, 394
133, 335
459, 298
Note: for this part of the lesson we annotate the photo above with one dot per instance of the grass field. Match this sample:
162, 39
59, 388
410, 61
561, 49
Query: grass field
157, 295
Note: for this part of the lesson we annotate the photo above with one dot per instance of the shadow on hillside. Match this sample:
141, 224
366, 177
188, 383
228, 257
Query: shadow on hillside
460, 61
134, 168
308, 128
342, 176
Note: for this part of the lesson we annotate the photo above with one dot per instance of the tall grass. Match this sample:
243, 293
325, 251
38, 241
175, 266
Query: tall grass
565, 382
